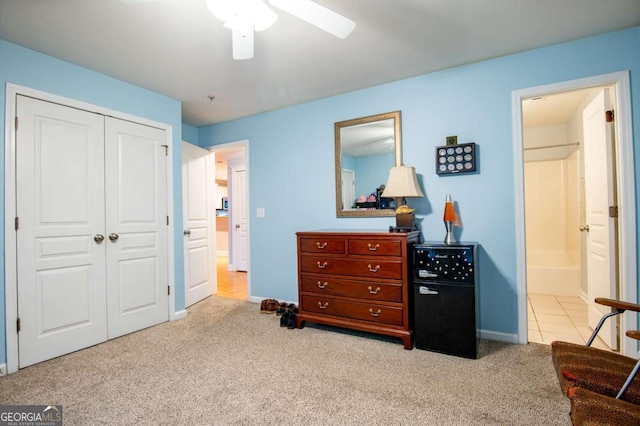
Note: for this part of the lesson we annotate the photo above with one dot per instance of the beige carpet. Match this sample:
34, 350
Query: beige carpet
228, 364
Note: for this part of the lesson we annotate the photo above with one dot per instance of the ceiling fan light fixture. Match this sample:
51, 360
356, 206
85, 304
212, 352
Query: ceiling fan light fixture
221, 9
254, 11
244, 17
261, 16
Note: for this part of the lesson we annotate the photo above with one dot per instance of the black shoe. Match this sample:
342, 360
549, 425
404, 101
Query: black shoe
291, 321
284, 319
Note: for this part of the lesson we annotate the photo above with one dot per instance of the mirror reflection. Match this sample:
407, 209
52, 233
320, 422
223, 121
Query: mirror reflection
366, 148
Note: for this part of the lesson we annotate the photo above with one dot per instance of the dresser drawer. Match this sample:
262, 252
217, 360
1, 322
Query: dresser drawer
373, 247
370, 268
350, 288
369, 312
322, 244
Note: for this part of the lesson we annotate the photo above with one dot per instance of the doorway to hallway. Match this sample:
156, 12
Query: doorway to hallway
231, 284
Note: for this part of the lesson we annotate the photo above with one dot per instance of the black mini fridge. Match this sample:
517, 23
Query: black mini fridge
445, 298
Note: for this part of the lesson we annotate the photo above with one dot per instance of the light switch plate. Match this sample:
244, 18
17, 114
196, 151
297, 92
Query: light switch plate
260, 212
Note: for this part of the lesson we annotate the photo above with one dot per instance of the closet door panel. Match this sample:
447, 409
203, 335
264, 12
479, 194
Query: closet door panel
136, 188
60, 206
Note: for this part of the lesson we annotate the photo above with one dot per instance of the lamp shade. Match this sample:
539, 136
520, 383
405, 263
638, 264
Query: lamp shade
402, 182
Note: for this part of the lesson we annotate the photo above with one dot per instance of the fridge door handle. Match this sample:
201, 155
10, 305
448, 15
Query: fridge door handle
426, 290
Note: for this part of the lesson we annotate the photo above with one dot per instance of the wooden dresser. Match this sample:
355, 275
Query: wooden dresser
357, 280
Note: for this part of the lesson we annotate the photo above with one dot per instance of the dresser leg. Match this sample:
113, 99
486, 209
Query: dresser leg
408, 342
299, 322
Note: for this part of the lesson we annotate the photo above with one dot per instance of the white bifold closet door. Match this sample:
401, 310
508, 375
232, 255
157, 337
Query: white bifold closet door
80, 179
136, 206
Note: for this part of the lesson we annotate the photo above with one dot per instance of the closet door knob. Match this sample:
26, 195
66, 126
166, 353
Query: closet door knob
584, 228
98, 238
187, 232
114, 237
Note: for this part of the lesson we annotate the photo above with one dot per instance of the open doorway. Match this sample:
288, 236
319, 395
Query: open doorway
560, 172
232, 230
564, 209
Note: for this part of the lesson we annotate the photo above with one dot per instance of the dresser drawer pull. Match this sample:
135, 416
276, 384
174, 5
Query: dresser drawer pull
374, 248
376, 269
321, 246
323, 306
372, 291
375, 314
322, 284
322, 265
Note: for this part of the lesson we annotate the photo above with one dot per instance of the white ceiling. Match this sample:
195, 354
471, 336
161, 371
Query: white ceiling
177, 47
548, 110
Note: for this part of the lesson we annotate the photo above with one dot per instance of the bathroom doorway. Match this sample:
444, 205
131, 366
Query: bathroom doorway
556, 246
556, 182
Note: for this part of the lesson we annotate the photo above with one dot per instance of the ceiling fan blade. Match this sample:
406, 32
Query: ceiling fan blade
242, 41
317, 15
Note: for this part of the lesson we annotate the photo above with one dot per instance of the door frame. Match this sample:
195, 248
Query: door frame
10, 238
624, 160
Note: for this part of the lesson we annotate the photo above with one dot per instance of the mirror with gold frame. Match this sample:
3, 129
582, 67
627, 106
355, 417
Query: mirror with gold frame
366, 149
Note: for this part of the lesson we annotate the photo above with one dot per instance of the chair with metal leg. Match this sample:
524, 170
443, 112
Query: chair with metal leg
601, 384
596, 369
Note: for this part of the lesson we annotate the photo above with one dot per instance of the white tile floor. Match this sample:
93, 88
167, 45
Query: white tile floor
558, 318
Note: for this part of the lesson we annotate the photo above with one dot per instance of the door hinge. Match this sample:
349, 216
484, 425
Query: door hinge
166, 150
167, 220
608, 116
17, 223
16, 122
613, 211
168, 290
17, 325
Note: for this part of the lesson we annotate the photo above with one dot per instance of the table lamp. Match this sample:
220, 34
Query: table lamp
403, 183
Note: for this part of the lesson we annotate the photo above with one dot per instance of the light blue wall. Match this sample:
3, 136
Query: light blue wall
291, 158
371, 172
190, 134
27, 68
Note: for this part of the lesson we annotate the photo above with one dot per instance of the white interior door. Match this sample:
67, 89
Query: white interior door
239, 212
348, 189
137, 221
199, 230
60, 206
599, 195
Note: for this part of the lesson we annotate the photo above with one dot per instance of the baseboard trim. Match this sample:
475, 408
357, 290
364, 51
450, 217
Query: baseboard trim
3, 370
585, 297
497, 336
179, 315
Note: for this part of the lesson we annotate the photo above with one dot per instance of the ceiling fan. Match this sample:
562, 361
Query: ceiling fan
244, 17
